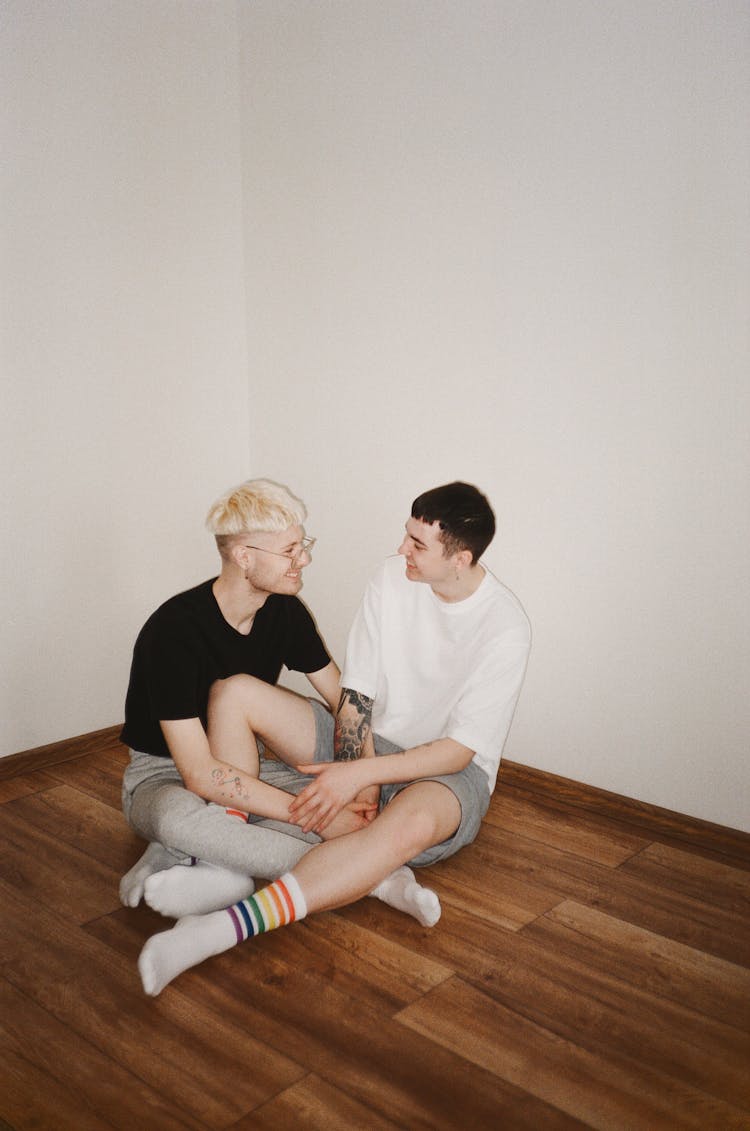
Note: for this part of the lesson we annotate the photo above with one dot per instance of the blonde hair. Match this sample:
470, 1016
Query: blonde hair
257, 505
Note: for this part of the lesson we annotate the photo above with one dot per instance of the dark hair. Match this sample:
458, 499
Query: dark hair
466, 519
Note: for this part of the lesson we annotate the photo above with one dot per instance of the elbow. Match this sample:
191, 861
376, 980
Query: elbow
194, 782
464, 757
191, 784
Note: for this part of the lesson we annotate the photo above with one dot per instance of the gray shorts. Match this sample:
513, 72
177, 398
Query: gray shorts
469, 786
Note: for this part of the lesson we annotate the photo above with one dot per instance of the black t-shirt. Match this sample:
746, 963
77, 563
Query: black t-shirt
186, 645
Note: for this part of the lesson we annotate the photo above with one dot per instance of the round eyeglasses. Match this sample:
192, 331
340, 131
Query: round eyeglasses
304, 546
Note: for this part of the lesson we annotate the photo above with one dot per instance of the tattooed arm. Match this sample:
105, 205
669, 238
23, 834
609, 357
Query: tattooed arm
315, 807
352, 734
234, 786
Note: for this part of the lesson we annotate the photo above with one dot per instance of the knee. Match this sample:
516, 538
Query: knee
175, 812
424, 814
234, 689
417, 833
236, 693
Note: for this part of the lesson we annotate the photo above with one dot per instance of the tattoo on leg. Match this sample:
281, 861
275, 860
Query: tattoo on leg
352, 725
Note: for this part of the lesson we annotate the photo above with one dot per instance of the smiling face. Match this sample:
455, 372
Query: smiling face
425, 554
273, 563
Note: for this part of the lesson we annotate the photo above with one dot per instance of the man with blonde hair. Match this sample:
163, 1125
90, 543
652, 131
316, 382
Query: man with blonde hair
192, 804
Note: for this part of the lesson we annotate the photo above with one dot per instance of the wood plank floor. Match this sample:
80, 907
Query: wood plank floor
591, 969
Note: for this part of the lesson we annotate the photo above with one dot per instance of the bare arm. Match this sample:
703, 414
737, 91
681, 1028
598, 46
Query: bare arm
338, 782
326, 683
352, 737
216, 780
443, 756
352, 741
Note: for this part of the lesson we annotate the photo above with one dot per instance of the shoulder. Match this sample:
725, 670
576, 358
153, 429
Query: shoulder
282, 609
504, 607
279, 604
179, 610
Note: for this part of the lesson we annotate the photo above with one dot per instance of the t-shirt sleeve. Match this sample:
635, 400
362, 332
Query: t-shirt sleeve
363, 654
171, 667
305, 650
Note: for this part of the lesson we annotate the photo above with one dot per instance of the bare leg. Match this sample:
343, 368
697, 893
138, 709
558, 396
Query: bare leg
343, 870
242, 709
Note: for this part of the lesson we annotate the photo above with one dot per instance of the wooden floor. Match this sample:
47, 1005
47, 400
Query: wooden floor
590, 970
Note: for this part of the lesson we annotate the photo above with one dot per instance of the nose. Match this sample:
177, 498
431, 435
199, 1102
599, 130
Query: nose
303, 558
405, 547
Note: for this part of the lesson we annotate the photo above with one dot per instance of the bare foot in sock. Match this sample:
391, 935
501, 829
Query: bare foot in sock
190, 941
401, 890
154, 859
195, 891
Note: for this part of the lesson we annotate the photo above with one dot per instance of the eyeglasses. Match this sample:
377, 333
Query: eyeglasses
304, 546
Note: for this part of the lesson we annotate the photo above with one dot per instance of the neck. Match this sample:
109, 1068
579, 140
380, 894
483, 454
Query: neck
453, 590
238, 601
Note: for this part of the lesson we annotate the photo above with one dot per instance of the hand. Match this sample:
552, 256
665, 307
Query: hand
370, 797
349, 820
337, 784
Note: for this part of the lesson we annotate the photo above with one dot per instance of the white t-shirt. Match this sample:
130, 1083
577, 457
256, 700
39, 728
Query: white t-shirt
436, 669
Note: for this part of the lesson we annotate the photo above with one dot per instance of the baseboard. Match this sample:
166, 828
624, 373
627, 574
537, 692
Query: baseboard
39, 758
651, 818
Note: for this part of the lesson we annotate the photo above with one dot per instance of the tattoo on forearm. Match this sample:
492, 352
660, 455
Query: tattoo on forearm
356, 699
351, 729
230, 780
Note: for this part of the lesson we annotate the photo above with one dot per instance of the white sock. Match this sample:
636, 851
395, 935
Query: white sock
401, 890
190, 941
179, 891
154, 859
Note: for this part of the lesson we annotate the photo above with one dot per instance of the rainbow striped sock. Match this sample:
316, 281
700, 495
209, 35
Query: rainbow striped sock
274, 906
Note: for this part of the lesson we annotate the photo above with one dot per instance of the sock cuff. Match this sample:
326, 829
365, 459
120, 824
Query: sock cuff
236, 813
295, 891
279, 903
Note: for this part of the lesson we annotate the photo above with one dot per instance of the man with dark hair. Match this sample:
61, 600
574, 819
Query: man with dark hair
434, 666
465, 518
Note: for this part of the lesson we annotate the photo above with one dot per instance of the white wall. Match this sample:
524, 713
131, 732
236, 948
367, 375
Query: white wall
123, 352
508, 242
500, 240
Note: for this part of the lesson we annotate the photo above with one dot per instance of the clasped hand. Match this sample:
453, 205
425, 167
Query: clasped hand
337, 785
